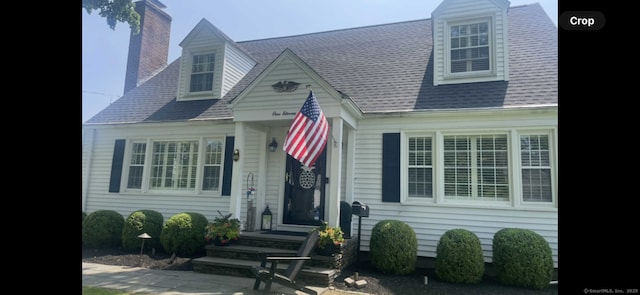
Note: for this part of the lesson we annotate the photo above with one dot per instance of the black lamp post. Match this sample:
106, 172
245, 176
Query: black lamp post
143, 237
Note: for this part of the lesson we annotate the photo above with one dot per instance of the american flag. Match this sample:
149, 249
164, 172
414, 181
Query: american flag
307, 135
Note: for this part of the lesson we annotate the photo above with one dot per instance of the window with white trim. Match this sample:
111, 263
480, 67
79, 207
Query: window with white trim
476, 167
536, 168
174, 165
420, 167
136, 165
186, 165
212, 165
202, 73
470, 47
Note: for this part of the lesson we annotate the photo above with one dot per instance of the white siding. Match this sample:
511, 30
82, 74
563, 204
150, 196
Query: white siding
251, 155
430, 221
236, 66
169, 204
264, 99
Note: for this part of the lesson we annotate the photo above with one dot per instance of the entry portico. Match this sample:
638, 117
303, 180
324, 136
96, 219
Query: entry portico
262, 113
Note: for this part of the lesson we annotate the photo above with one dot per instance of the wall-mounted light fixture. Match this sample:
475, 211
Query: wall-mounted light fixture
273, 145
236, 154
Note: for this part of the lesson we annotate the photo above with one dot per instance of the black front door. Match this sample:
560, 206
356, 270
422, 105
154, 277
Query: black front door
304, 191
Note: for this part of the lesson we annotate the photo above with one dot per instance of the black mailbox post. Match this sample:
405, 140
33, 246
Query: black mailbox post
361, 210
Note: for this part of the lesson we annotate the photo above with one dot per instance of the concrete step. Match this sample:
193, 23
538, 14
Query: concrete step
311, 275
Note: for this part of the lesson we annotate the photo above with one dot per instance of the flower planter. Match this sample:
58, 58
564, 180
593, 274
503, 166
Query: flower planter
329, 250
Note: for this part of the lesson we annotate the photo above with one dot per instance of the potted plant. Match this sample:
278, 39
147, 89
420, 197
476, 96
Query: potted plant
331, 239
223, 230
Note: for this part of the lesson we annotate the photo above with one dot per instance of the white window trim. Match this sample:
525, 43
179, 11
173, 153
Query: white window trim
404, 169
490, 19
518, 173
440, 146
188, 73
145, 189
515, 185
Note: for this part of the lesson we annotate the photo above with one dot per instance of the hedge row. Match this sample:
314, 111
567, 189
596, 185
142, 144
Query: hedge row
182, 234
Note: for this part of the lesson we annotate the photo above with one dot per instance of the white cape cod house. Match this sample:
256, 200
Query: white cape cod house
442, 123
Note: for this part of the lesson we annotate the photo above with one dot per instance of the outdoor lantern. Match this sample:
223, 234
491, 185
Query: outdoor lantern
267, 219
273, 145
236, 154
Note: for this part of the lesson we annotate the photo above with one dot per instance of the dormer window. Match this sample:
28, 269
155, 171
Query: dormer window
202, 73
470, 47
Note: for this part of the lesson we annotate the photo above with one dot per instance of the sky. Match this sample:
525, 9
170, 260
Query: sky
105, 51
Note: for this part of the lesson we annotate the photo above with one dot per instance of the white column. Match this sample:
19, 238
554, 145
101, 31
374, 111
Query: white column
335, 148
235, 203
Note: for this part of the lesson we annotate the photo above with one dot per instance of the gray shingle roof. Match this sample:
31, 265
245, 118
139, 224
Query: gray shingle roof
382, 68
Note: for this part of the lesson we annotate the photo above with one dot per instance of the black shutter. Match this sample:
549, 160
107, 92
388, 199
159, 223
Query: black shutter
116, 166
391, 167
228, 165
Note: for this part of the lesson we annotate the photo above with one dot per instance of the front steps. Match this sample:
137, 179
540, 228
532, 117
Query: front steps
238, 258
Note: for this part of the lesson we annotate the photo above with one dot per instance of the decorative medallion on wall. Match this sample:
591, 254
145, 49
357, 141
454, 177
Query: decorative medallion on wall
285, 86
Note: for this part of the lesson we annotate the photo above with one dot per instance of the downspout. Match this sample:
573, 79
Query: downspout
88, 137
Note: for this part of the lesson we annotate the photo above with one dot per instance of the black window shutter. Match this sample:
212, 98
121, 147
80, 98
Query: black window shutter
228, 165
116, 166
391, 167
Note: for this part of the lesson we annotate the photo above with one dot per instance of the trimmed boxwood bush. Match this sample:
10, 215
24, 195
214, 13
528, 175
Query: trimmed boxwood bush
459, 257
102, 229
183, 234
523, 258
393, 247
139, 222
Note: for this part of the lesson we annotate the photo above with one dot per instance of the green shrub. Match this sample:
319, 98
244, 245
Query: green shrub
459, 257
102, 229
393, 247
183, 234
345, 218
84, 215
139, 222
523, 258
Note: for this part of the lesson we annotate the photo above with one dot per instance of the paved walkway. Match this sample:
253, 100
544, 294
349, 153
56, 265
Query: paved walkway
171, 282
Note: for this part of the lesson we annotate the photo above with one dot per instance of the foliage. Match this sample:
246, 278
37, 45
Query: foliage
223, 228
393, 247
84, 215
139, 222
182, 234
329, 235
115, 11
459, 257
102, 229
522, 258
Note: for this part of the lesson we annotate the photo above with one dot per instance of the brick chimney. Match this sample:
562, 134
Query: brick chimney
149, 49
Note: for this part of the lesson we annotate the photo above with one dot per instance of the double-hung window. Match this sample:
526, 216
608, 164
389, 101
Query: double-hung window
136, 165
536, 168
469, 47
420, 167
202, 73
212, 172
